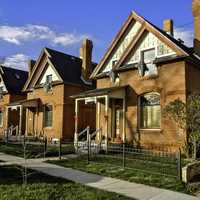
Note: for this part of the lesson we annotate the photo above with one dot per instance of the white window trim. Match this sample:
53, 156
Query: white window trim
139, 114
44, 115
1, 125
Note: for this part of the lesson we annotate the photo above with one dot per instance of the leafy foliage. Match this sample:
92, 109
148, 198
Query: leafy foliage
187, 117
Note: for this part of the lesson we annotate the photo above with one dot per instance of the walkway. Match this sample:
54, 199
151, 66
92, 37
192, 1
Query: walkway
136, 191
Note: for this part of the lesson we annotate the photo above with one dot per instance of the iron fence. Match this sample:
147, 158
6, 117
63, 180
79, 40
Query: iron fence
121, 155
130, 157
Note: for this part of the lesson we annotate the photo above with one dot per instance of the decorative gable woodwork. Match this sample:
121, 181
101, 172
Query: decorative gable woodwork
2, 86
123, 44
136, 35
149, 41
49, 71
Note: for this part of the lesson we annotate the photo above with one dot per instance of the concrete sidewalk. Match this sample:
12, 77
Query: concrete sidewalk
136, 191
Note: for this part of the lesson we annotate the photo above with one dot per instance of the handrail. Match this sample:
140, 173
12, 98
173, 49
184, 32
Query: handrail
83, 132
9, 130
95, 132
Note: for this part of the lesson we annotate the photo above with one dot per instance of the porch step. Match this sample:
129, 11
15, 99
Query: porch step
83, 147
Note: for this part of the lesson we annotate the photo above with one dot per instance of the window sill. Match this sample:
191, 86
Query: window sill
151, 130
48, 127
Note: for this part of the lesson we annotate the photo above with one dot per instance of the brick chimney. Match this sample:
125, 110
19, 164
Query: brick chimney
196, 14
31, 64
86, 56
168, 26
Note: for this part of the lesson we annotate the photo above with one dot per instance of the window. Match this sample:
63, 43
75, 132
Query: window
1, 92
150, 111
49, 78
147, 58
48, 83
1, 118
48, 116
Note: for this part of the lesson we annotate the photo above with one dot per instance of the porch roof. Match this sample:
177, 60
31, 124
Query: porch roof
101, 92
30, 103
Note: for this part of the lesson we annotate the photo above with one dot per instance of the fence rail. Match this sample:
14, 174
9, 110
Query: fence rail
120, 155
150, 161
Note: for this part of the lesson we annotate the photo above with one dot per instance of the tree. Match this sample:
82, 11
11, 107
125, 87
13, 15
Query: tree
187, 117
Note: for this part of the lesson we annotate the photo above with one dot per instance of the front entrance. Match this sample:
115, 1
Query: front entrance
31, 121
117, 120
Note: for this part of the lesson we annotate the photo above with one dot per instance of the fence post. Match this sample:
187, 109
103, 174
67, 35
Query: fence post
60, 149
123, 155
7, 136
45, 146
88, 144
179, 165
25, 167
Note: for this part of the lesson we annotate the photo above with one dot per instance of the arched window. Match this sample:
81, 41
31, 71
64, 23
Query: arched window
150, 111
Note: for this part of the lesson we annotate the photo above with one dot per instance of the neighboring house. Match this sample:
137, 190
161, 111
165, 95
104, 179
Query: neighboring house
52, 79
143, 70
11, 83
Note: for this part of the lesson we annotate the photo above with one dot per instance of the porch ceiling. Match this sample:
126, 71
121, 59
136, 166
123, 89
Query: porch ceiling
113, 92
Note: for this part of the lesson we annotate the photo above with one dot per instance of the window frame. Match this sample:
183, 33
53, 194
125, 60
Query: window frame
45, 123
140, 114
49, 75
149, 62
1, 121
1, 90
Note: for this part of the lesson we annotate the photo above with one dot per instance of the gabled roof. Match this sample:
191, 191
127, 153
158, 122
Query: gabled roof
14, 79
176, 45
67, 67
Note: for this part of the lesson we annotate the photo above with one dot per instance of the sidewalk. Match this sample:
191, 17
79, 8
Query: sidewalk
136, 191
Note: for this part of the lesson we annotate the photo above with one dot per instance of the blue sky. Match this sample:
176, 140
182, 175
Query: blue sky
26, 26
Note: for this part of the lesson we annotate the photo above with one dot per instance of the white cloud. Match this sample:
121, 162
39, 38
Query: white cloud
186, 35
19, 35
18, 61
68, 39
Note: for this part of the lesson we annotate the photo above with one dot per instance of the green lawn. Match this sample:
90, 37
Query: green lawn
138, 176
35, 151
44, 187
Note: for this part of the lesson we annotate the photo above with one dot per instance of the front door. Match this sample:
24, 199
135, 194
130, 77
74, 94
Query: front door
118, 122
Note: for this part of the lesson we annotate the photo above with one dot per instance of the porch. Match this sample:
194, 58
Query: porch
110, 114
18, 118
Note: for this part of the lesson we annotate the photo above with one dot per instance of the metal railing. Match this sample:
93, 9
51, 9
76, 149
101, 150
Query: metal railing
130, 157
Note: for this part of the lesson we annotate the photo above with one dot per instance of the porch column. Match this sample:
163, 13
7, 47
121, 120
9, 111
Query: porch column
7, 117
27, 118
106, 119
37, 118
98, 119
124, 120
76, 122
20, 120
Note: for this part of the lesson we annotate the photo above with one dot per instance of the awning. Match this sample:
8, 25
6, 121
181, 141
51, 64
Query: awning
31, 103
115, 92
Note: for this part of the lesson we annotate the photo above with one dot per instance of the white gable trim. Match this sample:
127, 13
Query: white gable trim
2, 84
49, 71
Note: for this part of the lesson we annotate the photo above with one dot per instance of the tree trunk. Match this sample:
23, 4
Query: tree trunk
195, 149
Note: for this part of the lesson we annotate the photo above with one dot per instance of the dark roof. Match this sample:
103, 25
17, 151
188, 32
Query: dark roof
68, 66
14, 79
189, 50
98, 92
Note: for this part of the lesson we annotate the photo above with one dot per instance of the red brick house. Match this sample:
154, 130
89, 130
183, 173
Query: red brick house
11, 83
53, 77
144, 69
